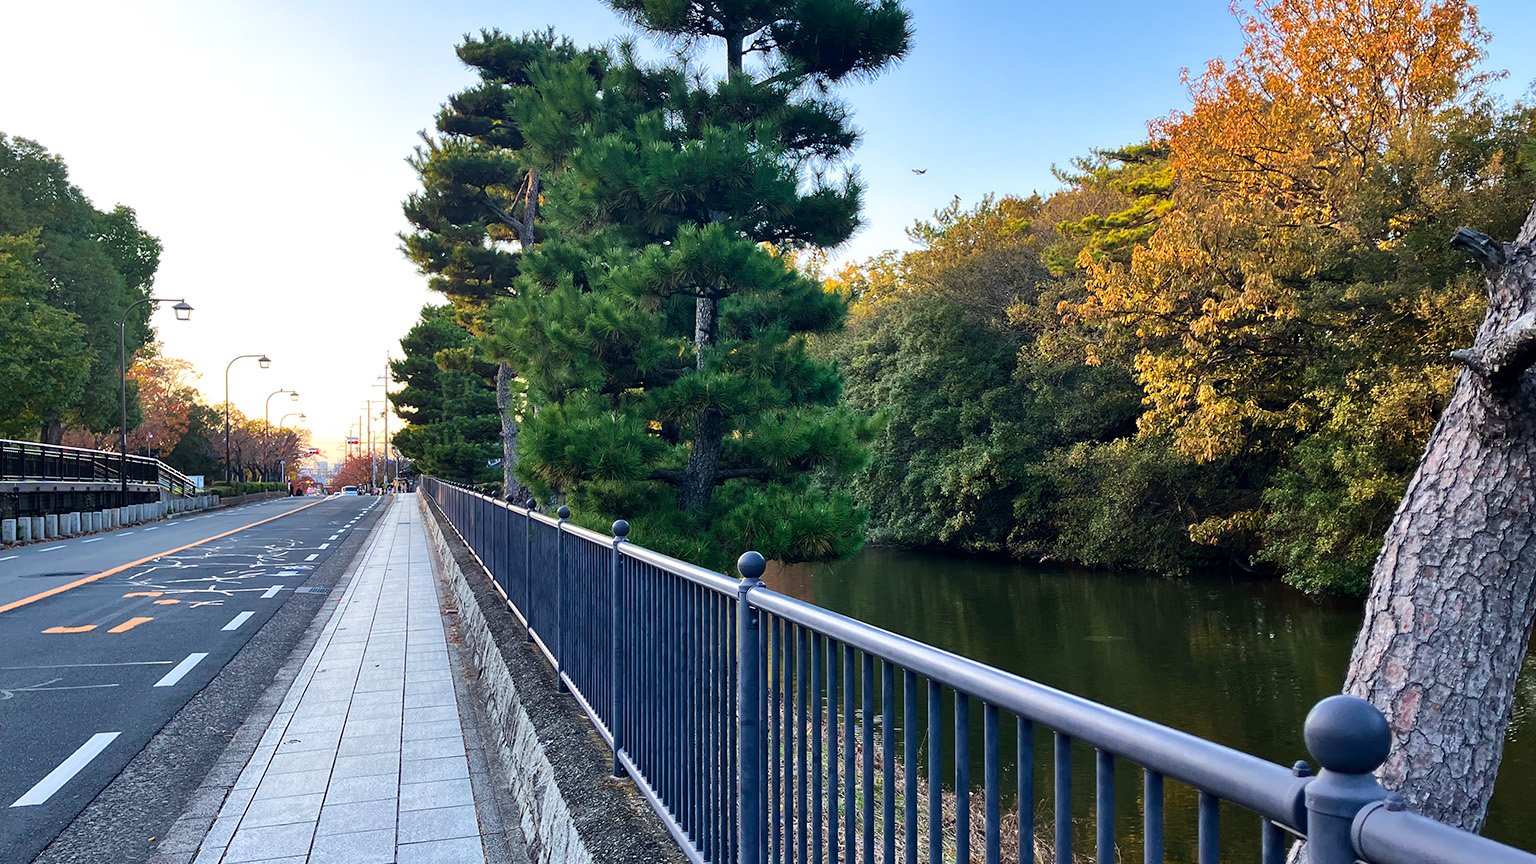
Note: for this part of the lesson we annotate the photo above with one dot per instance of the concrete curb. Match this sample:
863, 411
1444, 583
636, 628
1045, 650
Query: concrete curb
553, 762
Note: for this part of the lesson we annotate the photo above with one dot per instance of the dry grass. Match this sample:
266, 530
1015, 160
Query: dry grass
1043, 839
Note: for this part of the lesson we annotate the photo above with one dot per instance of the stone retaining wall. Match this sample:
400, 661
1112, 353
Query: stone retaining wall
554, 764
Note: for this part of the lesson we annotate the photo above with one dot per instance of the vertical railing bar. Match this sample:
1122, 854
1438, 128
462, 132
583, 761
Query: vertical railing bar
802, 828
1210, 828
962, 778
992, 778
888, 760
1152, 817
616, 657
935, 773
867, 778
834, 737
818, 767
1271, 842
909, 762
1104, 809
1025, 759
850, 793
748, 710
774, 684
1063, 779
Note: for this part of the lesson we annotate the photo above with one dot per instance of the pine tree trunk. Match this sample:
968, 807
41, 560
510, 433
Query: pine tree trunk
52, 431
709, 428
1449, 615
512, 490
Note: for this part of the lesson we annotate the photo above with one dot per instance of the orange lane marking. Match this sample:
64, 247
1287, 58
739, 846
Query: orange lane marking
144, 594
86, 580
129, 625
86, 629
172, 601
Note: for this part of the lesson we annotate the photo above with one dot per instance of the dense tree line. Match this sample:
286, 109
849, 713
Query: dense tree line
68, 272
1226, 345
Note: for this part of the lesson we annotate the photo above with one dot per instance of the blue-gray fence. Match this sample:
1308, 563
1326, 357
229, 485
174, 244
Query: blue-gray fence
765, 729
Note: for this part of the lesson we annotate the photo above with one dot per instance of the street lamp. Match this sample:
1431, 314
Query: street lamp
183, 313
264, 362
266, 415
283, 419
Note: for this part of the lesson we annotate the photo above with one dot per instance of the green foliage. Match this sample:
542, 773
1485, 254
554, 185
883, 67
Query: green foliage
448, 401
43, 356
662, 339
92, 265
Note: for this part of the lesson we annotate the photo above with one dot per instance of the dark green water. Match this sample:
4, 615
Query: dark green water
1236, 662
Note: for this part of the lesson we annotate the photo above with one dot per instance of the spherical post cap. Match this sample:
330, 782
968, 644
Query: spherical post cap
1348, 735
564, 512
620, 528
531, 504
751, 565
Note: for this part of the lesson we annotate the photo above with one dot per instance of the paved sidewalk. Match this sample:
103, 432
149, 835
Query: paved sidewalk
365, 762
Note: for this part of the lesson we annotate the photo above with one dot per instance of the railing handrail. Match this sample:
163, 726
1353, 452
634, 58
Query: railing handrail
1264, 787
1343, 812
11, 443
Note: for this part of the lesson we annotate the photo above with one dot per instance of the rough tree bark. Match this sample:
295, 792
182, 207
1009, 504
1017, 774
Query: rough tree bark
1449, 615
709, 428
513, 490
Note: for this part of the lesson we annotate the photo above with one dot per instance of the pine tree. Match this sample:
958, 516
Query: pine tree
482, 183
661, 328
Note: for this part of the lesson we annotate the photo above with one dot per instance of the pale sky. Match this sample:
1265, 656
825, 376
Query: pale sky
264, 142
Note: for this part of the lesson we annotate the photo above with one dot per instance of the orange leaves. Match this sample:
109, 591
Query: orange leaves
1229, 307
1290, 126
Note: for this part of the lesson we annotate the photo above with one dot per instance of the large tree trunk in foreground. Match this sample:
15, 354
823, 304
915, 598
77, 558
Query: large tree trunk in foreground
1449, 615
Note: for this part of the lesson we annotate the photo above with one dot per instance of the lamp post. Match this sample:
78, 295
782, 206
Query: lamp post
282, 464
385, 382
183, 313
265, 362
266, 412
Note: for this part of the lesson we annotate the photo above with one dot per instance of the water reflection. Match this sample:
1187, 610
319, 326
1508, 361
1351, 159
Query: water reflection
1234, 661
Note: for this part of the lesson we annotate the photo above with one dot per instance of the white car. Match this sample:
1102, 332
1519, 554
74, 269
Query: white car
349, 490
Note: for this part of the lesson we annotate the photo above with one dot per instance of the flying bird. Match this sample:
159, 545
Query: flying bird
919, 170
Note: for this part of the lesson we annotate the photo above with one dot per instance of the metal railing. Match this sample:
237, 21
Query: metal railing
29, 461
765, 729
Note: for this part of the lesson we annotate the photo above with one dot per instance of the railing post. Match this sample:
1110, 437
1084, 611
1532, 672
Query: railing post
616, 656
749, 701
528, 568
559, 647
1349, 738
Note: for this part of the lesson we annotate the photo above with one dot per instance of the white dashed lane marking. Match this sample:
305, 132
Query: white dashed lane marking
312, 556
181, 669
66, 770
235, 622
271, 592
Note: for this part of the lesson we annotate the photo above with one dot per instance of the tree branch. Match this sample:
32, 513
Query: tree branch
1507, 355
501, 215
1488, 251
675, 475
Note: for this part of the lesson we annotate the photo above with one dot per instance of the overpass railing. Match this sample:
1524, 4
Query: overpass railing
31, 462
765, 729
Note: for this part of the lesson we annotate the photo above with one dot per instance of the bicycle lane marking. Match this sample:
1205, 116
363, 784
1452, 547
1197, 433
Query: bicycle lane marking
86, 580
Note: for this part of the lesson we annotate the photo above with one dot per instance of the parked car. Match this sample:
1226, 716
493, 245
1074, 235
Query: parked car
349, 490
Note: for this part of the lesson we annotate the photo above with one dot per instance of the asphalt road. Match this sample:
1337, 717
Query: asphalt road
104, 639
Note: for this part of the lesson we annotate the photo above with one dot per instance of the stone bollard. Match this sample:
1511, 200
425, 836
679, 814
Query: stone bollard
51, 526
72, 524
39, 528
7, 531
24, 529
